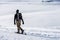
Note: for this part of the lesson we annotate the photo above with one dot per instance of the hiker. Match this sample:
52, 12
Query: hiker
17, 20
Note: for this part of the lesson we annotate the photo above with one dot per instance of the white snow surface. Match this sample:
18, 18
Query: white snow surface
42, 22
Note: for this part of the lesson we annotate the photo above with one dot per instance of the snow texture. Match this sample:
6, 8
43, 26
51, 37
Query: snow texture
44, 18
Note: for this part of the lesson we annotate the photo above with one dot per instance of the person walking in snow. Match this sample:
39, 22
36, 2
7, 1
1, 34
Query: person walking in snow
17, 20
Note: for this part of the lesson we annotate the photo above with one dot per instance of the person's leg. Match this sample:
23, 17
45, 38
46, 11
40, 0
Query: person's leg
21, 30
18, 27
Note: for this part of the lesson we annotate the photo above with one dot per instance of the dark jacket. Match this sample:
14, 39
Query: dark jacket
16, 17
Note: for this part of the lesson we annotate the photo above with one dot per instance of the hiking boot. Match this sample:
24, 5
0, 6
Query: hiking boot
22, 32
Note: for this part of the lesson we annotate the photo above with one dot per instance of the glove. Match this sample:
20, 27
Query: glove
23, 23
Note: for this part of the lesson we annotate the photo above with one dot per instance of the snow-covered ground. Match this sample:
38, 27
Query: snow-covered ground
45, 20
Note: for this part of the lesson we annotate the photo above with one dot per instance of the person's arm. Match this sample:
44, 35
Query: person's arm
14, 19
22, 19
